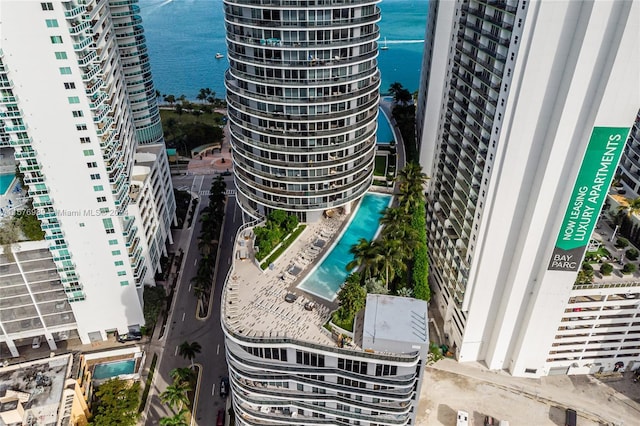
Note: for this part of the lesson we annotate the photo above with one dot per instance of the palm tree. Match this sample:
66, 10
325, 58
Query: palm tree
394, 88
391, 255
182, 375
199, 291
170, 99
202, 96
364, 253
631, 207
396, 221
178, 419
189, 350
405, 292
412, 178
175, 395
411, 181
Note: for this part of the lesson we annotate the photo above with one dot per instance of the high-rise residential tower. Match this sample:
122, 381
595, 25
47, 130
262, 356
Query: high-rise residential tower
78, 115
302, 94
524, 110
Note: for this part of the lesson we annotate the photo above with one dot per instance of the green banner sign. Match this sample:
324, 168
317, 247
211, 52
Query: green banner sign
589, 192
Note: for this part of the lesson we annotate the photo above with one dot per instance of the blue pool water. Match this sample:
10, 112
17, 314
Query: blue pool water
326, 279
113, 369
384, 133
5, 182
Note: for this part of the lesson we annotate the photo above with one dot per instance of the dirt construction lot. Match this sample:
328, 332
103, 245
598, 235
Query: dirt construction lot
450, 386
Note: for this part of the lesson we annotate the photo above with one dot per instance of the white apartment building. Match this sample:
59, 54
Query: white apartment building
74, 126
302, 93
523, 113
286, 368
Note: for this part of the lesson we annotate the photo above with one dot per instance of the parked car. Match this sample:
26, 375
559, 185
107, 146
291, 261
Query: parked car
463, 418
224, 387
220, 421
37, 341
128, 337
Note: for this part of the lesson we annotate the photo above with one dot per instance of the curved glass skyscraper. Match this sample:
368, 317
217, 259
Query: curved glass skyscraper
302, 93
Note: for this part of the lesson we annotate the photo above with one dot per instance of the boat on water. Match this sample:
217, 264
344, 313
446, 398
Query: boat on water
384, 46
219, 55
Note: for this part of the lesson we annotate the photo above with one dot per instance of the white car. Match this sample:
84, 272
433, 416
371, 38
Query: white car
37, 341
463, 418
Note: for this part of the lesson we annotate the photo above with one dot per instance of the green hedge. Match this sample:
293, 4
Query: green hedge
147, 383
420, 271
287, 242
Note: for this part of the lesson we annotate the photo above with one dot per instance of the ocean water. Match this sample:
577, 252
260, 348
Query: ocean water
183, 37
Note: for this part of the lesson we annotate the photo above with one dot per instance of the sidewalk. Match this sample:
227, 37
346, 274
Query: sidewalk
216, 162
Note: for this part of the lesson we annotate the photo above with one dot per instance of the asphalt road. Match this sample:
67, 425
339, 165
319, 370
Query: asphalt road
183, 325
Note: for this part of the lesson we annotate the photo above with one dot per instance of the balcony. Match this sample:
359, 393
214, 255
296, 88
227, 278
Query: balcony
82, 44
72, 13
77, 27
87, 58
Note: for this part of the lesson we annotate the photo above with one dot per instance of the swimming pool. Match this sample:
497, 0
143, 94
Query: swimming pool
5, 182
325, 280
113, 369
384, 133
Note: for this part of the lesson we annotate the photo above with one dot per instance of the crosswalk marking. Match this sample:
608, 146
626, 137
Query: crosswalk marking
227, 192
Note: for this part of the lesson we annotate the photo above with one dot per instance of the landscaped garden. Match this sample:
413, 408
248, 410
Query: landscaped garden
397, 261
384, 171
622, 261
191, 125
281, 229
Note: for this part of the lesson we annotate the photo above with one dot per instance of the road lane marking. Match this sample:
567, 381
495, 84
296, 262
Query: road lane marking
183, 314
176, 352
213, 390
189, 286
218, 350
194, 262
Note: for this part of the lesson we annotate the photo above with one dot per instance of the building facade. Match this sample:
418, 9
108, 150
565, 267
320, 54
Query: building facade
42, 391
302, 93
307, 375
518, 99
77, 103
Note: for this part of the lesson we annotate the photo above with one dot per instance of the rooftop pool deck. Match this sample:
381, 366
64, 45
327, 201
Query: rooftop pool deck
325, 279
253, 301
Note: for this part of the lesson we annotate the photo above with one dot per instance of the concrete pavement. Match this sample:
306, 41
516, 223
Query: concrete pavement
450, 386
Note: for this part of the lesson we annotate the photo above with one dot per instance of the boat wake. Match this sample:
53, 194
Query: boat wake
404, 41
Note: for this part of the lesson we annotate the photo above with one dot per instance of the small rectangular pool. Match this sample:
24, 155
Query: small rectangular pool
5, 182
114, 369
325, 280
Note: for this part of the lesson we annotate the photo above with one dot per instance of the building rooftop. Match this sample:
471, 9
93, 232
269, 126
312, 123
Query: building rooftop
392, 319
254, 300
38, 385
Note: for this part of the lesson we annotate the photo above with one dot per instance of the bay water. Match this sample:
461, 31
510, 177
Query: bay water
183, 37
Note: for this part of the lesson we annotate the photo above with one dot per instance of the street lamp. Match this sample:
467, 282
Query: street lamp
614, 233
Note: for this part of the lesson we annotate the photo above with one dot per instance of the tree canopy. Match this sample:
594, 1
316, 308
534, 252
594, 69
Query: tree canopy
116, 404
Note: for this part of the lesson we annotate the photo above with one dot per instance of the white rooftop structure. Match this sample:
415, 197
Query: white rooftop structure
391, 322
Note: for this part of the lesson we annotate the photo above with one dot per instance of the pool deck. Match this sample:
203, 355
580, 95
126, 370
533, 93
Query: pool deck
254, 300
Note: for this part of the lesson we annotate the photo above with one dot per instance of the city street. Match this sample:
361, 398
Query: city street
183, 325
